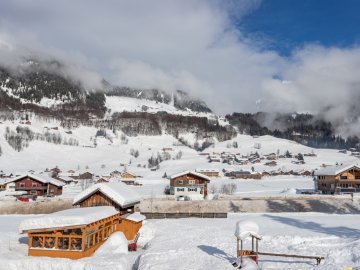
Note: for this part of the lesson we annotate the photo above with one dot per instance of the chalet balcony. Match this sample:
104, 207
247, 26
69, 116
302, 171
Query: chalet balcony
30, 188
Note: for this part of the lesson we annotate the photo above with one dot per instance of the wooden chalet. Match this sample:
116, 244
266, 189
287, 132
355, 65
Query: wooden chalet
37, 185
271, 163
128, 175
3, 183
118, 195
214, 158
78, 232
83, 176
115, 173
208, 172
102, 180
65, 179
127, 181
189, 184
338, 179
245, 175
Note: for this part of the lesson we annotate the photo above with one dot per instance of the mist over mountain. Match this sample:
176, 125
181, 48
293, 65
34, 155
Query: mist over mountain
47, 87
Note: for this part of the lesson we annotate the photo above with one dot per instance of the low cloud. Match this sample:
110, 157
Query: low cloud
190, 45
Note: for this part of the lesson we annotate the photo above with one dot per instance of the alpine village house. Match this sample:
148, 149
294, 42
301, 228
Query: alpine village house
338, 179
189, 184
36, 185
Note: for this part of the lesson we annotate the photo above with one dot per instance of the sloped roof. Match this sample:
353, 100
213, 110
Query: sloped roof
191, 172
69, 217
119, 192
337, 169
41, 178
124, 172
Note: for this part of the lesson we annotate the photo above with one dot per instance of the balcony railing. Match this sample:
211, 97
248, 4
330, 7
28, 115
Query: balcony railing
30, 188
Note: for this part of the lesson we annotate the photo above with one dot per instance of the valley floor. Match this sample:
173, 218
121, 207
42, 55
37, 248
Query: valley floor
208, 244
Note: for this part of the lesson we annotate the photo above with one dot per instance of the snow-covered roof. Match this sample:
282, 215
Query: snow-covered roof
114, 180
247, 228
190, 172
119, 192
337, 169
41, 178
207, 170
66, 178
69, 217
127, 172
3, 181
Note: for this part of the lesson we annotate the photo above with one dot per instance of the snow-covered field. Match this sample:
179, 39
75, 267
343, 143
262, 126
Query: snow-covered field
112, 151
206, 244
185, 243
210, 244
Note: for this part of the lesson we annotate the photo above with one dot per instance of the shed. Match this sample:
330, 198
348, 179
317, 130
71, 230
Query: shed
119, 195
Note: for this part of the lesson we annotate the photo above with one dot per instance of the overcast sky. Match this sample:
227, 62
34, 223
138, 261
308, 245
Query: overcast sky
235, 55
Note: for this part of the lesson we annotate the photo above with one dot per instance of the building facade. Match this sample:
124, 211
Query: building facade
189, 184
37, 185
338, 179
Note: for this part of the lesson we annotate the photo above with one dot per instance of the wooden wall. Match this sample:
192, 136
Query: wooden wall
99, 199
129, 228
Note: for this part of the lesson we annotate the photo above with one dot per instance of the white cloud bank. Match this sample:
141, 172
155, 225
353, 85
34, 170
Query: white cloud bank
190, 45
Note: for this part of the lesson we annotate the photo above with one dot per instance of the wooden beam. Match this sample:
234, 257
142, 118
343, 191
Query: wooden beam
317, 258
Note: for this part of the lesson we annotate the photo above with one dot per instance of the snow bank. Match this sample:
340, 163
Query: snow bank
290, 191
249, 264
136, 217
116, 244
69, 217
246, 228
147, 233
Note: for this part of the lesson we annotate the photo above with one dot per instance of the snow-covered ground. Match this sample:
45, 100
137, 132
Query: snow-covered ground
203, 244
111, 152
211, 244
122, 104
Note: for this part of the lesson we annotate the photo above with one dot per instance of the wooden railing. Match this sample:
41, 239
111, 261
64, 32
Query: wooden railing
150, 215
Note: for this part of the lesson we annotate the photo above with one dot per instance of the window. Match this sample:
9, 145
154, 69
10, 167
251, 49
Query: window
22, 185
180, 182
63, 243
49, 242
192, 189
180, 189
192, 182
33, 185
75, 244
37, 242
343, 177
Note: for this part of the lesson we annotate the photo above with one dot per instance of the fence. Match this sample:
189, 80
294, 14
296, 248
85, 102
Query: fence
150, 215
